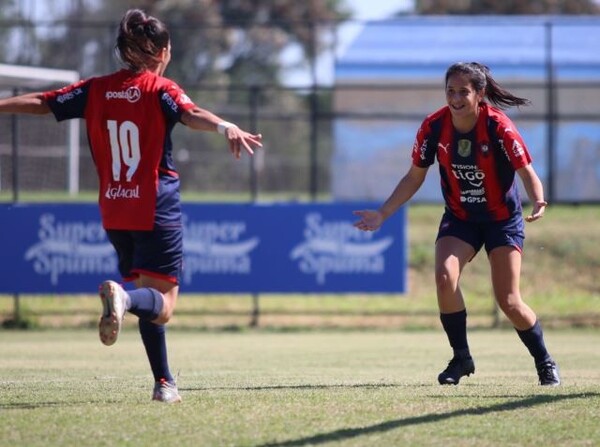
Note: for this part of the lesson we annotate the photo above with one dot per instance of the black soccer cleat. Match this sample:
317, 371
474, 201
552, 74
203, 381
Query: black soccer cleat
457, 368
548, 373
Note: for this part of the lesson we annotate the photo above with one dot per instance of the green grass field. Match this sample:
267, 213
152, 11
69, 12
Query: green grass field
352, 370
261, 388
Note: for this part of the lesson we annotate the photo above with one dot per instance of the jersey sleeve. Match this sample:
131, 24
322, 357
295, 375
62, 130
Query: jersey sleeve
68, 102
174, 101
424, 150
513, 144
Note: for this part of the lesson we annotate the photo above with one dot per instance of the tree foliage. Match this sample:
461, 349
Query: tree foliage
238, 39
507, 7
16, 40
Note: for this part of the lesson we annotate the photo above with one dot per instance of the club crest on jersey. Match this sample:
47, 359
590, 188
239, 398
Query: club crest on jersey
132, 94
464, 148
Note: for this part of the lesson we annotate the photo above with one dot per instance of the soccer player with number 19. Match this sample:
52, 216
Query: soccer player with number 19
129, 117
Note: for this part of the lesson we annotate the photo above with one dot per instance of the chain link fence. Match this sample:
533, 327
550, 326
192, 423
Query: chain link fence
304, 121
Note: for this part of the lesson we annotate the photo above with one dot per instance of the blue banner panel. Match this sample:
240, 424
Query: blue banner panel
54, 248
228, 248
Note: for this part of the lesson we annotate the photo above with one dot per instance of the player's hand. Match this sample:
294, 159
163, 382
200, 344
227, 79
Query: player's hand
370, 220
240, 139
538, 211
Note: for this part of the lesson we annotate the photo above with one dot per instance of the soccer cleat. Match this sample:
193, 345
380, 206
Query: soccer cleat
548, 373
457, 368
165, 391
114, 307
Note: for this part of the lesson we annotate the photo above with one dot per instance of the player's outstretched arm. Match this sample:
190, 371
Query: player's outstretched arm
30, 103
535, 192
239, 139
371, 220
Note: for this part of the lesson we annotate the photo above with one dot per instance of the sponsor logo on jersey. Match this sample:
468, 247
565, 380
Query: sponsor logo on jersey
185, 99
132, 94
503, 148
170, 102
468, 173
422, 150
69, 95
517, 149
474, 192
471, 199
119, 192
473, 195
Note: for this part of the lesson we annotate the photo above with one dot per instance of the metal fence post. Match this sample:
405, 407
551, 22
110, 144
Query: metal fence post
253, 110
551, 111
253, 118
314, 110
14, 122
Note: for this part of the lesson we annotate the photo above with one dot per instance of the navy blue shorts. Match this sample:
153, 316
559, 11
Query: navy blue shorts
157, 253
510, 232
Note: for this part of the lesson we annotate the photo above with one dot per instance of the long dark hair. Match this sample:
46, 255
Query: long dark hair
481, 79
141, 40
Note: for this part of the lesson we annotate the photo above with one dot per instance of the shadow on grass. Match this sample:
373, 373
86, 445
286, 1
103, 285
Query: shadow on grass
35, 406
298, 387
349, 433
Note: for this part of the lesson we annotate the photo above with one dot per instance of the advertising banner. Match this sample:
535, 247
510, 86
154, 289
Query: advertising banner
228, 248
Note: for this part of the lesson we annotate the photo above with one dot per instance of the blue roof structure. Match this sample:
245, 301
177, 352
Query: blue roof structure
513, 46
416, 51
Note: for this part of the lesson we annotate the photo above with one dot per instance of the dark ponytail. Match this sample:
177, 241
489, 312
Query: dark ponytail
481, 79
141, 40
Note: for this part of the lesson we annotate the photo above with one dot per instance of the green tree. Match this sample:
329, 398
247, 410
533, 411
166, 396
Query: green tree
18, 40
241, 39
225, 44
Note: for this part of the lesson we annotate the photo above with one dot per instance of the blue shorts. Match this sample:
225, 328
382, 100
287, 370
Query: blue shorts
510, 232
157, 253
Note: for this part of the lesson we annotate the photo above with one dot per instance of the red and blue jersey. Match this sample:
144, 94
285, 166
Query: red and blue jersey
477, 169
129, 118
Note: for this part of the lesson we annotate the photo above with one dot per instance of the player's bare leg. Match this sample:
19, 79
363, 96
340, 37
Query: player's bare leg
451, 256
505, 264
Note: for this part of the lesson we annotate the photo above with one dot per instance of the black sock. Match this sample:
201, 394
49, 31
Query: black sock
455, 325
154, 339
145, 302
533, 339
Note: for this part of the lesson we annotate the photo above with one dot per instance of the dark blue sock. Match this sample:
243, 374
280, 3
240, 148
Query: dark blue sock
155, 342
455, 325
533, 339
145, 302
